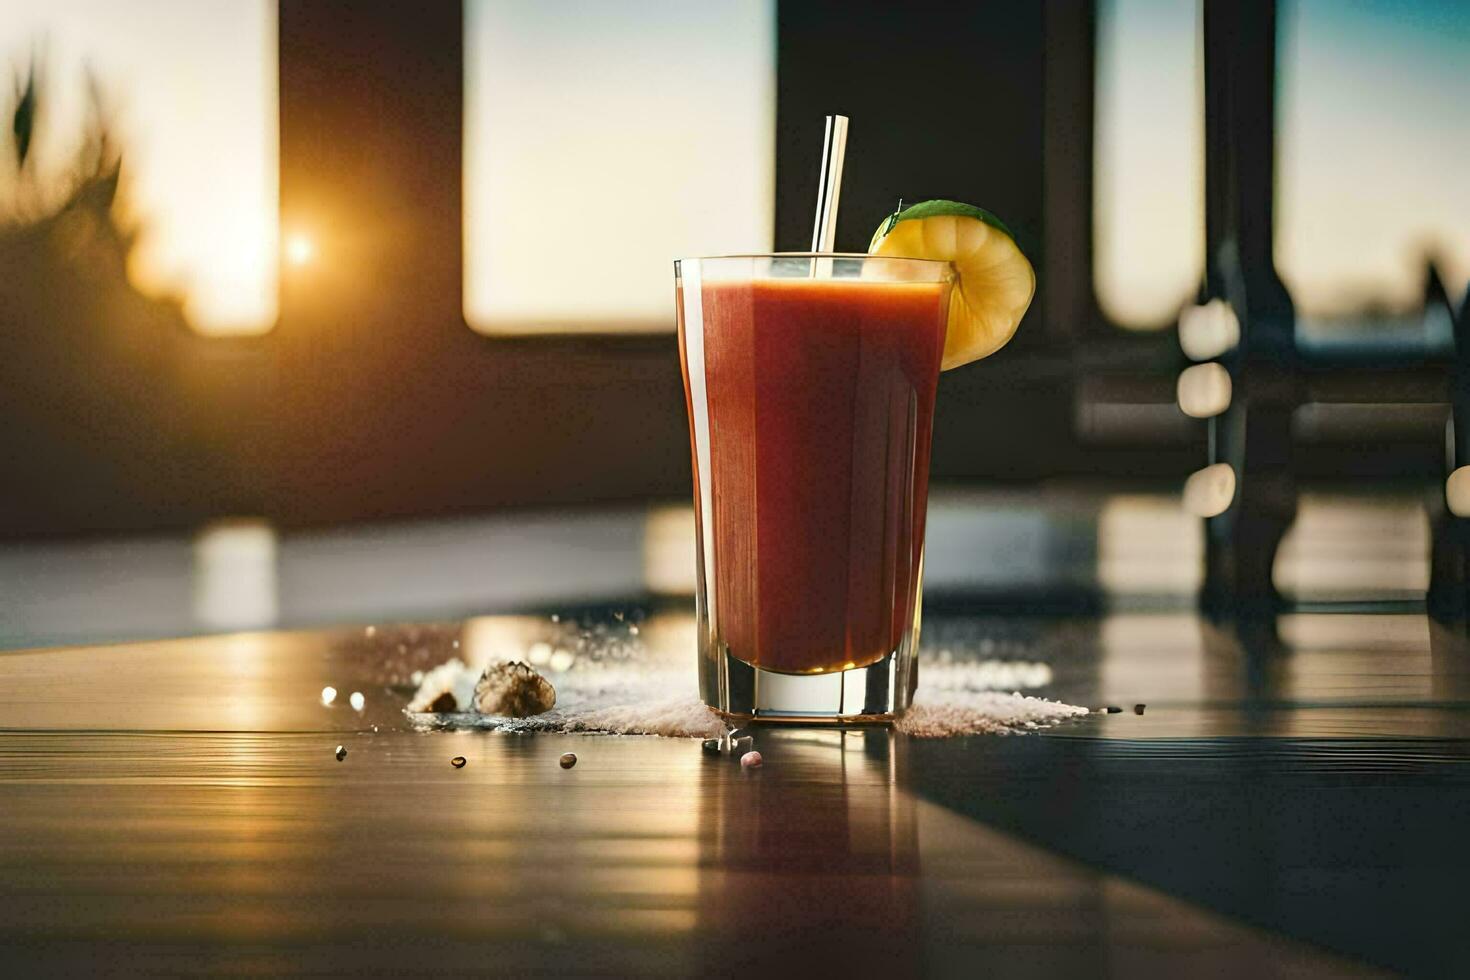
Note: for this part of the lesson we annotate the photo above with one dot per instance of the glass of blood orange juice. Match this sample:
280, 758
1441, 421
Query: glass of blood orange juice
810, 383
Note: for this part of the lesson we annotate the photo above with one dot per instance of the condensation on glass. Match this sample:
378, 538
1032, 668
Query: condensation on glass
628, 132
1373, 135
187, 92
1148, 172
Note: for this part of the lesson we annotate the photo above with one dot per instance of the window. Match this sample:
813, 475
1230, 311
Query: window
602, 141
1373, 137
1148, 171
199, 161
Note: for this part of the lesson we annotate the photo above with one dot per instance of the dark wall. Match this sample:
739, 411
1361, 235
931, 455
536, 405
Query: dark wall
372, 398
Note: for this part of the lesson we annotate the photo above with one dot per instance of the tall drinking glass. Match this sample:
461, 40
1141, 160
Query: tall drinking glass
810, 383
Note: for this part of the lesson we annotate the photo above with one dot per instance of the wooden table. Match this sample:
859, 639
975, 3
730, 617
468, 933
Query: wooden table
1291, 802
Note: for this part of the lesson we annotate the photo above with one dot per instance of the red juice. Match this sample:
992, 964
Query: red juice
820, 403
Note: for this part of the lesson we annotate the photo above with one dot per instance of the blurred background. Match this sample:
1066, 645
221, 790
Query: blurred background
317, 312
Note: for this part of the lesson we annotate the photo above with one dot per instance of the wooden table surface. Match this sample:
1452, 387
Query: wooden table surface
1292, 801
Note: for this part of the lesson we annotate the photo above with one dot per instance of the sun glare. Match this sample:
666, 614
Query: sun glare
300, 249
188, 93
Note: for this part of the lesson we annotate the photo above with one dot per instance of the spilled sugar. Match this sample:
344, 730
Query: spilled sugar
954, 699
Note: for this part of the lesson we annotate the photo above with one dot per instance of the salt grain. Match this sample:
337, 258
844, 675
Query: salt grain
357, 701
329, 694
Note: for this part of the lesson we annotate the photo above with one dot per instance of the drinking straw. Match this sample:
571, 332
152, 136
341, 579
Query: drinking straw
829, 186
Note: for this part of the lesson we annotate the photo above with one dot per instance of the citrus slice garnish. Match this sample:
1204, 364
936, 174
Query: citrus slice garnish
994, 282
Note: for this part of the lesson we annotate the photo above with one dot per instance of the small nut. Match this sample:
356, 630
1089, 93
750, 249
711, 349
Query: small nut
514, 690
568, 760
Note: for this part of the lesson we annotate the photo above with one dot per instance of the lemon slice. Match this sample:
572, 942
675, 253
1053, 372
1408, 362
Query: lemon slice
994, 283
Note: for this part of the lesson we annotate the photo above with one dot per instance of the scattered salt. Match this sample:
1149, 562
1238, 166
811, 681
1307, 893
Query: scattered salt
329, 694
674, 718
986, 713
451, 678
608, 695
357, 701
984, 675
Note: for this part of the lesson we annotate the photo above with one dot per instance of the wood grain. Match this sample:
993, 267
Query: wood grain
177, 806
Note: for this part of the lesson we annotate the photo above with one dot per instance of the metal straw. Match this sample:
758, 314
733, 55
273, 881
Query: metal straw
829, 187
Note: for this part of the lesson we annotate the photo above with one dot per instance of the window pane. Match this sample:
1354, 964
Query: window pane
602, 141
188, 90
1149, 160
1374, 124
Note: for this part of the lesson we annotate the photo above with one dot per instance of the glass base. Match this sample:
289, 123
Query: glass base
879, 692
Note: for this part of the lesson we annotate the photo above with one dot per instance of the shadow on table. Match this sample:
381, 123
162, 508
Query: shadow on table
1356, 844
